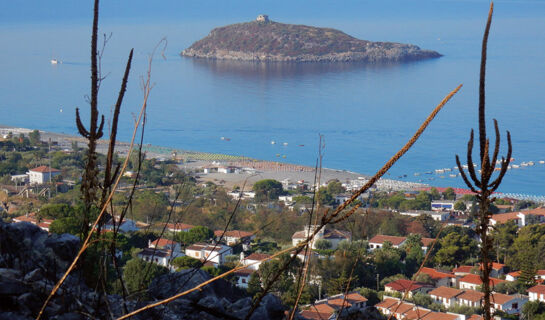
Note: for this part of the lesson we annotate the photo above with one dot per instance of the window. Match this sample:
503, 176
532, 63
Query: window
243, 280
515, 306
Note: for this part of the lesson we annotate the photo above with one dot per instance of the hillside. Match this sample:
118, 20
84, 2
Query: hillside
272, 41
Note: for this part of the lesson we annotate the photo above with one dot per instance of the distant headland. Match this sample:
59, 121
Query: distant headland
266, 40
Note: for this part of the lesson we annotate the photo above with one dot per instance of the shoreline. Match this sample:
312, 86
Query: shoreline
196, 161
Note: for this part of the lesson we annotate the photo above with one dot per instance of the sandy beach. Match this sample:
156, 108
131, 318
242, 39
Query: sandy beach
250, 170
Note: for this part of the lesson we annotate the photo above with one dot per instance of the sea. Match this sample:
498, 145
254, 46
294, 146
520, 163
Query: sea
276, 111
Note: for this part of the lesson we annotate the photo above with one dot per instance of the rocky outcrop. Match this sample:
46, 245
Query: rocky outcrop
273, 41
31, 262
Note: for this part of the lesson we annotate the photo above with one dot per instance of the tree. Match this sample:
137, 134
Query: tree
194, 235
435, 195
34, 137
185, 262
455, 249
138, 274
70, 225
460, 206
322, 244
324, 197
388, 260
268, 189
449, 194
533, 309
335, 187
524, 204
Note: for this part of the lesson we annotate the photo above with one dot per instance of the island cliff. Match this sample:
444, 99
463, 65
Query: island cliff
265, 40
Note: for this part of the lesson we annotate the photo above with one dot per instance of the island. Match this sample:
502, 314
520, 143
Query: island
266, 40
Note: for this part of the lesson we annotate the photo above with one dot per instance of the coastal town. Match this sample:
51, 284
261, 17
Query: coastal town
410, 251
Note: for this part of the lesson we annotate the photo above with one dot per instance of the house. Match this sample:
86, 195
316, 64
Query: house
435, 215
43, 223
471, 298
244, 195
42, 174
20, 178
334, 236
378, 241
165, 244
233, 237
510, 304
243, 277
328, 308
411, 287
445, 296
521, 218
209, 252
540, 274
512, 276
127, 225
158, 256
473, 282
426, 244
462, 270
407, 311
254, 260
442, 205
440, 278
537, 293
179, 227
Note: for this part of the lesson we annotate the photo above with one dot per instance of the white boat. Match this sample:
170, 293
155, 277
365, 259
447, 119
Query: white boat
541, 161
515, 166
273, 142
439, 170
531, 163
452, 175
285, 143
523, 164
447, 169
55, 61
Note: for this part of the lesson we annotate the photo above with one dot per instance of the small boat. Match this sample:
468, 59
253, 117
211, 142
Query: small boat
278, 154
531, 163
222, 138
452, 175
541, 161
273, 142
447, 169
416, 174
523, 164
439, 170
285, 143
301, 145
284, 156
55, 61
515, 166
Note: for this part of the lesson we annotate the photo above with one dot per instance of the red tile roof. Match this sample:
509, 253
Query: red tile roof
386, 303
299, 235
505, 217
514, 274
475, 317
45, 169
179, 226
314, 315
440, 316
436, 275
500, 298
403, 285
416, 313
379, 238
355, 297
471, 295
463, 269
162, 242
337, 303
540, 289
476, 279
441, 190
233, 234
540, 272
427, 241
445, 292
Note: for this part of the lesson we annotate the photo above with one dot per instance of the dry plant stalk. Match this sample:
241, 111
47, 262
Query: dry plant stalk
326, 219
483, 186
91, 196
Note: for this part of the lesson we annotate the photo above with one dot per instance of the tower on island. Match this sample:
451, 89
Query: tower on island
262, 18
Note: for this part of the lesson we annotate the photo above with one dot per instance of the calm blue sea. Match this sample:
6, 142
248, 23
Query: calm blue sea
365, 112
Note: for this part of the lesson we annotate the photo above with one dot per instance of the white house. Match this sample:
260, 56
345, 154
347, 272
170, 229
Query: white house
243, 276
442, 205
509, 304
127, 225
42, 174
254, 260
378, 241
334, 236
521, 218
445, 296
165, 244
244, 195
440, 278
209, 252
159, 256
233, 237
435, 215
179, 227
473, 282
471, 298
537, 293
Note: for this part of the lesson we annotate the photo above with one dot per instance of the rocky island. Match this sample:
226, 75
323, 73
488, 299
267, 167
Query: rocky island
266, 40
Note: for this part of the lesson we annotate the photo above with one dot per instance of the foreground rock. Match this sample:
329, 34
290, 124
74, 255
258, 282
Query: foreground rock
265, 40
31, 262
